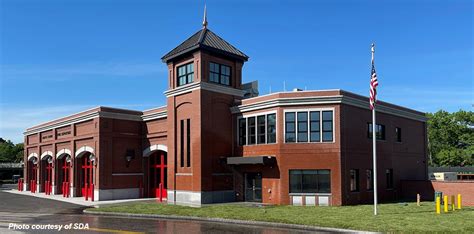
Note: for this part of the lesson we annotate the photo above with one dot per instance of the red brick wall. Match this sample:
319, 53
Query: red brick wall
426, 188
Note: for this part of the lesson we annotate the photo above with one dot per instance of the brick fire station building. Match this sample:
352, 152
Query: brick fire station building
216, 140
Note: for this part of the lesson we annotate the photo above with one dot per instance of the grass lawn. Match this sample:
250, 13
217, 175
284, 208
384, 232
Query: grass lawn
391, 218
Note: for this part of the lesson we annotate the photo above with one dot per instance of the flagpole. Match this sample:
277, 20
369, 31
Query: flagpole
374, 143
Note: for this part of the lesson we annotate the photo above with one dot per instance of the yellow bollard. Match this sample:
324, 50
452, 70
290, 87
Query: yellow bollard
459, 201
445, 204
452, 202
438, 205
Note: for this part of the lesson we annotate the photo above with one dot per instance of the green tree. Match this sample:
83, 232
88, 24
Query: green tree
451, 138
10, 152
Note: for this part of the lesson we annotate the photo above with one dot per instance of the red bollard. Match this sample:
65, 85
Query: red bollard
161, 192
85, 191
92, 192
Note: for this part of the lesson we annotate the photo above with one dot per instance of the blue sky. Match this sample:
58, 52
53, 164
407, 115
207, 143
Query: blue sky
60, 57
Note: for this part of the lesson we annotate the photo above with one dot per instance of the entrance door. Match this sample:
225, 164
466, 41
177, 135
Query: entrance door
48, 175
158, 175
86, 178
33, 167
253, 187
63, 176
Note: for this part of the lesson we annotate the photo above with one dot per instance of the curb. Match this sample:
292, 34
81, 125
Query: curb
230, 221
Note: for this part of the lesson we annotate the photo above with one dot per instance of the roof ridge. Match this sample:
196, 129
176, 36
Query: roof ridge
201, 37
228, 43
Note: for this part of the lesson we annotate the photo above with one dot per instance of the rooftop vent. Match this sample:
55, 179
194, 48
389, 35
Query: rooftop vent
251, 89
297, 90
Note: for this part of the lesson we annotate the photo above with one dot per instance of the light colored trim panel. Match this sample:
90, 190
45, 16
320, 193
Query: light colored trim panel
157, 115
62, 153
32, 155
337, 99
85, 117
384, 109
116, 194
84, 149
46, 153
205, 86
148, 151
278, 102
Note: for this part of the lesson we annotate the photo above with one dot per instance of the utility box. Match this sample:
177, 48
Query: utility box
444, 176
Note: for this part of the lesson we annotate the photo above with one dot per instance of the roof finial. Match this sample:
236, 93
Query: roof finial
204, 21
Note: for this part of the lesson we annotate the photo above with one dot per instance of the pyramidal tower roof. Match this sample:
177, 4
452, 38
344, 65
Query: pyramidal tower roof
207, 40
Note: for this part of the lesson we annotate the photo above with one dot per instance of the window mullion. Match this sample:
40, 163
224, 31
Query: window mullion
308, 123
246, 132
321, 126
266, 120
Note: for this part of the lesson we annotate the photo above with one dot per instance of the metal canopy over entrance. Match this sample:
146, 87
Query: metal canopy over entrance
262, 160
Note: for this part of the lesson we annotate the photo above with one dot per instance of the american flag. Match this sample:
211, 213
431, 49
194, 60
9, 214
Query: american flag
373, 82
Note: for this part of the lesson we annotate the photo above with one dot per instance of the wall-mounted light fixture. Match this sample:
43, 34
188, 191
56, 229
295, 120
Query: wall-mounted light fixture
50, 160
93, 159
68, 158
130, 154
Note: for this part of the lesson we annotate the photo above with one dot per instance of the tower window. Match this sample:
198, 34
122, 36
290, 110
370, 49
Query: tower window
219, 73
185, 74
398, 132
379, 131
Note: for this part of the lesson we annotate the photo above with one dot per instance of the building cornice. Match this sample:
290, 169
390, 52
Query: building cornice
83, 118
204, 86
321, 100
157, 115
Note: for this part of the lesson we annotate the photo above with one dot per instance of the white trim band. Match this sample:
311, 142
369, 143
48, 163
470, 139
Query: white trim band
83, 118
205, 86
157, 115
319, 100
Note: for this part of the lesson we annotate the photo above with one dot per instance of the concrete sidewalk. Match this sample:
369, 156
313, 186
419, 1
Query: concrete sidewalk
75, 200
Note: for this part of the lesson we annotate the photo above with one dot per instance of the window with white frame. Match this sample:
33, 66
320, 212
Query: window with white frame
259, 129
309, 126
